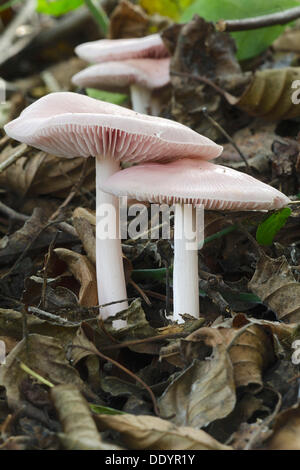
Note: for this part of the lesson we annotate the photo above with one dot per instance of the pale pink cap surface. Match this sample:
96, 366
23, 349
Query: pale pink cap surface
106, 50
195, 182
119, 75
70, 125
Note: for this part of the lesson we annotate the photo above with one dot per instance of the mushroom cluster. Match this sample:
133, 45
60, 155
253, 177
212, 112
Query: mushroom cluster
70, 125
140, 65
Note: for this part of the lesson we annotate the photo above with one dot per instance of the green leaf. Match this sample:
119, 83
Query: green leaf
171, 8
105, 410
115, 98
267, 230
57, 7
249, 43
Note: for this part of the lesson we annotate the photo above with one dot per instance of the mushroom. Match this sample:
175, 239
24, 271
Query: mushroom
196, 183
141, 76
70, 125
107, 50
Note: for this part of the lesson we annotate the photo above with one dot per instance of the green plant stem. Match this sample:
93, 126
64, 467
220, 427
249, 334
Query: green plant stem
99, 15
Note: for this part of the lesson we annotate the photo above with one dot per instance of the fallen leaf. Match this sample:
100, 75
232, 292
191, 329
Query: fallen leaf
83, 270
274, 282
202, 393
151, 433
80, 431
269, 94
286, 431
38, 173
43, 355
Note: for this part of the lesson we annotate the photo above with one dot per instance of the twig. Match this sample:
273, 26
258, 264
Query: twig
220, 128
200, 78
127, 371
279, 18
18, 153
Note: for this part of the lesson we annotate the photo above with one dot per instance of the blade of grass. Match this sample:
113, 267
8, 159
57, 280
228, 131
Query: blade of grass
99, 15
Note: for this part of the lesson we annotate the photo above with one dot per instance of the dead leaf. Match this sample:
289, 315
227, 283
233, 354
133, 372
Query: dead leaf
38, 173
289, 41
80, 431
202, 393
45, 356
275, 284
151, 433
86, 232
269, 95
199, 51
83, 270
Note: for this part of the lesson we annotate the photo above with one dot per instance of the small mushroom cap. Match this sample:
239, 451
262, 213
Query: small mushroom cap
195, 182
119, 75
106, 50
71, 125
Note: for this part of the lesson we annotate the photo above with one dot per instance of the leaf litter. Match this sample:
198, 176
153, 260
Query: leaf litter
226, 381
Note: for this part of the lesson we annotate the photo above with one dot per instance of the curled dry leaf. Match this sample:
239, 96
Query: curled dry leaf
151, 433
251, 350
286, 435
275, 284
83, 270
128, 21
38, 173
43, 355
80, 431
269, 95
84, 222
202, 393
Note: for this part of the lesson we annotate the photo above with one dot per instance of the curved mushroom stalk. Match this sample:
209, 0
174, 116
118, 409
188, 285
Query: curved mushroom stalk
185, 272
109, 261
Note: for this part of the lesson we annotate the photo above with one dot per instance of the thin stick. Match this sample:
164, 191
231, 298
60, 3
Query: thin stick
18, 153
279, 18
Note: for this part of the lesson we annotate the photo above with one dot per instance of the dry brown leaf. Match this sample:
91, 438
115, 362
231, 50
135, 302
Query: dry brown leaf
127, 21
202, 393
275, 284
83, 270
151, 433
251, 351
86, 231
289, 41
80, 431
38, 173
270, 94
43, 355
286, 435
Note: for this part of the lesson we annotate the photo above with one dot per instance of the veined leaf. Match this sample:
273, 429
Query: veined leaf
249, 43
57, 7
171, 8
267, 230
115, 98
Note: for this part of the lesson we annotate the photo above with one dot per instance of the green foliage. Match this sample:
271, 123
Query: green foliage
57, 7
171, 8
249, 43
267, 230
115, 98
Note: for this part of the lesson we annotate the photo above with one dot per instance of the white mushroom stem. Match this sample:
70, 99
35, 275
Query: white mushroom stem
140, 99
109, 262
185, 271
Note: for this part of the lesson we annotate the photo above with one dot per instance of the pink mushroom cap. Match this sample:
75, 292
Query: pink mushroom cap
70, 125
106, 50
119, 75
195, 182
